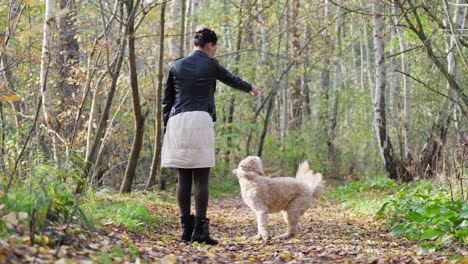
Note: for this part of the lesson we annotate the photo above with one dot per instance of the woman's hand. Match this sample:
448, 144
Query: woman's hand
255, 91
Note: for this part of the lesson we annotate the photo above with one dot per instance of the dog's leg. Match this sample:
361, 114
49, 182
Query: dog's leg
262, 225
291, 218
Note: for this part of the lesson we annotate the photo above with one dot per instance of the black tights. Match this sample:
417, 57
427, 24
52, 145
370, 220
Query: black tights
184, 190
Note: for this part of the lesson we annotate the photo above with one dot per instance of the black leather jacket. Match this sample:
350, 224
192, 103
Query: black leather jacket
191, 84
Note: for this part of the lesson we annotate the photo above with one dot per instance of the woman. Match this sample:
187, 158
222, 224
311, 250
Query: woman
189, 115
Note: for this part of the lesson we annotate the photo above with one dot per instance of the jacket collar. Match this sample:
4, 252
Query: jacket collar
199, 52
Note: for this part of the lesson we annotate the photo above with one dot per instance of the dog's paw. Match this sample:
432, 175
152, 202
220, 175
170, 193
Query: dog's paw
284, 236
257, 237
265, 237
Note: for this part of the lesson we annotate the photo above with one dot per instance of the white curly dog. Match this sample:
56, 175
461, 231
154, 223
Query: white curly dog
265, 195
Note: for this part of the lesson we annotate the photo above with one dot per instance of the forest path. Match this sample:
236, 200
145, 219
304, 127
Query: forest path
327, 235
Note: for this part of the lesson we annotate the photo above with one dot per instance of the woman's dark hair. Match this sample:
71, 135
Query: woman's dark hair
204, 35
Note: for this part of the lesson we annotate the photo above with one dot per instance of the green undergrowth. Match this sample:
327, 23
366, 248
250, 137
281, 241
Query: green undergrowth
420, 211
37, 209
364, 196
43, 209
128, 210
224, 188
427, 214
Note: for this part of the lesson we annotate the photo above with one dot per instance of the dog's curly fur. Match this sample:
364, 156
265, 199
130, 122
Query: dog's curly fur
265, 195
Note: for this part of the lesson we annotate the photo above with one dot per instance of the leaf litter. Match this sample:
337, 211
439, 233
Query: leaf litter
327, 235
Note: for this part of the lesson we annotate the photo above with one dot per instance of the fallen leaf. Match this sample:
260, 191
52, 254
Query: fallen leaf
169, 259
11, 220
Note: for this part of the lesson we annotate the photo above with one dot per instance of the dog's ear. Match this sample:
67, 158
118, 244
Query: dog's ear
259, 166
252, 163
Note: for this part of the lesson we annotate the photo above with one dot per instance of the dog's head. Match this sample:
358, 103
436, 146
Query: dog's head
249, 167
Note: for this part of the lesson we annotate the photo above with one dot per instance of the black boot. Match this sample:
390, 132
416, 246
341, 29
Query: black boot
187, 227
201, 231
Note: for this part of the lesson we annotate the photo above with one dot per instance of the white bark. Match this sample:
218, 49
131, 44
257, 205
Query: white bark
194, 4
46, 94
379, 94
453, 46
92, 113
393, 81
458, 23
193, 14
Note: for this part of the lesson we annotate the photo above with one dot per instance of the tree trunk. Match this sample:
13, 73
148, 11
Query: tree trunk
174, 27
305, 80
432, 150
369, 65
392, 109
2, 141
269, 111
46, 92
332, 122
182, 29
193, 19
295, 91
92, 112
176, 46
362, 53
139, 117
325, 50
284, 115
383, 139
67, 62
158, 131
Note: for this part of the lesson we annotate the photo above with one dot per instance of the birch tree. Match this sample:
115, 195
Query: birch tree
385, 146
46, 92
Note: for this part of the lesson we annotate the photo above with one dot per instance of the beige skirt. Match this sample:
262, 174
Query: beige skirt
189, 141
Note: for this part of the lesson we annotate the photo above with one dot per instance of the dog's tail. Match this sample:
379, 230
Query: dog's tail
311, 179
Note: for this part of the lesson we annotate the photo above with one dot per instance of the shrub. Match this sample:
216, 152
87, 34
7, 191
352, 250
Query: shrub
427, 214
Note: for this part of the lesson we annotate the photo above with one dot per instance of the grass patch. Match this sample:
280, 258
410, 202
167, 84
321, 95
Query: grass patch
224, 189
117, 254
365, 196
130, 210
39, 207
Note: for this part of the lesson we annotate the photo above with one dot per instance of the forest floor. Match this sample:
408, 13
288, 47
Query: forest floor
328, 235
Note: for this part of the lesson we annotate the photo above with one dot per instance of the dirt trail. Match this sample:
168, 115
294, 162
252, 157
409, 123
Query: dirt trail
327, 236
